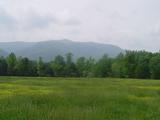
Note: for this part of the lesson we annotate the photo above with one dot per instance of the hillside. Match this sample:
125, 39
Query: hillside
15, 46
49, 49
2, 53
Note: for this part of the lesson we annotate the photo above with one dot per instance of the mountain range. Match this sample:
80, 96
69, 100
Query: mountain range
3, 53
49, 49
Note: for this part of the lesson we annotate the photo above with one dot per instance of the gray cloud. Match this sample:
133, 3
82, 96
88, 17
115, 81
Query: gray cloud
128, 24
36, 21
7, 22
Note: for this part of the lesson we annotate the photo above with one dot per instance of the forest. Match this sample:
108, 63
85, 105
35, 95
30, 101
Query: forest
131, 64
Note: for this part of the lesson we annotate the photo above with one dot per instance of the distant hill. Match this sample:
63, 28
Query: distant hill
15, 46
49, 49
3, 53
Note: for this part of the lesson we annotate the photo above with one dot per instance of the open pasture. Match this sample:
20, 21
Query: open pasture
26, 98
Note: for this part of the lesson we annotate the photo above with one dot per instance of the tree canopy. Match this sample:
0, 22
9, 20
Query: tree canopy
131, 64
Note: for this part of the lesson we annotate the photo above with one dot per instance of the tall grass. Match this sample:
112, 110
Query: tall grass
78, 99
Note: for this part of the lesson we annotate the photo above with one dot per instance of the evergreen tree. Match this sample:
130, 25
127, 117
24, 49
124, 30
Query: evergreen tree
70, 68
118, 64
103, 67
155, 67
3, 66
23, 67
11, 63
81, 66
40, 67
58, 66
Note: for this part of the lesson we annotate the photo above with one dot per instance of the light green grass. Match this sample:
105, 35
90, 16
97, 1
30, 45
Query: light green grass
79, 99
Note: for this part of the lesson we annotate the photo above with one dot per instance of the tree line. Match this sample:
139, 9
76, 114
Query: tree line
131, 64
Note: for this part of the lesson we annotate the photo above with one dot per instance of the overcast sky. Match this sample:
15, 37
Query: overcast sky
130, 24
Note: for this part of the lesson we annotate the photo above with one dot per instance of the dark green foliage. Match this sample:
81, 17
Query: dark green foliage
142, 69
118, 69
132, 64
70, 68
25, 67
58, 66
11, 62
155, 67
3, 66
40, 67
48, 70
90, 64
32, 68
22, 66
81, 66
103, 67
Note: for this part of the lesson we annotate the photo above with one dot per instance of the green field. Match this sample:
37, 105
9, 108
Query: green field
79, 99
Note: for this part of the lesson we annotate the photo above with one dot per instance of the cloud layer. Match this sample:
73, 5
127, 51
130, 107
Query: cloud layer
128, 24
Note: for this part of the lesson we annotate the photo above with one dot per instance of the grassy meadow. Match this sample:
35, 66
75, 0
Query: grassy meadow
79, 99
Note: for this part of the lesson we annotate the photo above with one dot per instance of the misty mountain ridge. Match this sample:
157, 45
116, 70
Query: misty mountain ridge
3, 53
49, 49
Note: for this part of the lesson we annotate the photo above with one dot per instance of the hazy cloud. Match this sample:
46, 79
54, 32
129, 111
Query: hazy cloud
36, 21
7, 22
128, 24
